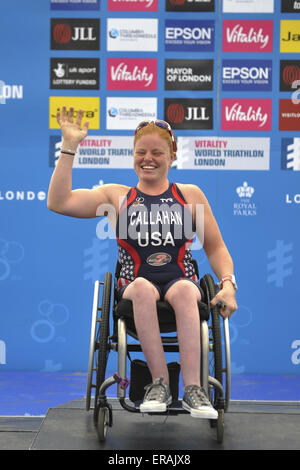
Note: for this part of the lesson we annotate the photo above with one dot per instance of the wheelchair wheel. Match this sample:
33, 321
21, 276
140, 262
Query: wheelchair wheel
102, 339
102, 423
215, 361
99, 337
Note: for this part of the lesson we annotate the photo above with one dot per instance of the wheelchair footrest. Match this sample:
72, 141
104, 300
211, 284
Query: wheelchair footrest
174, 409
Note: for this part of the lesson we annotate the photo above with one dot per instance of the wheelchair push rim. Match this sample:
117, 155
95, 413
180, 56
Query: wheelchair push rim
99, 349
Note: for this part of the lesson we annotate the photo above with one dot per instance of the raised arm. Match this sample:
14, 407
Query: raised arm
61, 197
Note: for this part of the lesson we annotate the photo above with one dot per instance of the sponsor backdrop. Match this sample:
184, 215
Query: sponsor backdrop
226, 75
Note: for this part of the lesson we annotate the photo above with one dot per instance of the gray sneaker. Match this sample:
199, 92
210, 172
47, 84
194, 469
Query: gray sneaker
156, 398
195, 400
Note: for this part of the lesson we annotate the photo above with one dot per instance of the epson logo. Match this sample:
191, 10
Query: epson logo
254, 73
188, 33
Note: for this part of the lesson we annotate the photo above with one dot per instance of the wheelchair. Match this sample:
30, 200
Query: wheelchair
215, 351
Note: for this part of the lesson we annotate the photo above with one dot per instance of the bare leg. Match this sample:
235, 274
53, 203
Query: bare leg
183, 297
144, 296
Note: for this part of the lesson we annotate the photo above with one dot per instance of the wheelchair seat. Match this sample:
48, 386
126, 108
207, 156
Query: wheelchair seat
166, 315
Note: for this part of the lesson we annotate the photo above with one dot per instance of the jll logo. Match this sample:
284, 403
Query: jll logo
291, 73
62, 34
176, 113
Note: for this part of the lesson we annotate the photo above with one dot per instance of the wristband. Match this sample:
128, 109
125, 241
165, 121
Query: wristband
68, 152
229, 277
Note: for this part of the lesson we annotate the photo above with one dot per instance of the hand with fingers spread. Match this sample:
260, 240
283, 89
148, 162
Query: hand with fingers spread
72, 132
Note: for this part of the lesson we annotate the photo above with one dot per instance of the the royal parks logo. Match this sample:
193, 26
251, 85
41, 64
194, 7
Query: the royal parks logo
245, 206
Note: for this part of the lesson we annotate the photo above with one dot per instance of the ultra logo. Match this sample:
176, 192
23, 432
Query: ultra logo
290, 36
89, 105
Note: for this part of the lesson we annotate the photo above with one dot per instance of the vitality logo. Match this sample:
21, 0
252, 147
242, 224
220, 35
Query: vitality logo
247, 36
131, 74
247, 115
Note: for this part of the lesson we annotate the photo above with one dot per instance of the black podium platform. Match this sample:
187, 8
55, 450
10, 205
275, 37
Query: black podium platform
248, 426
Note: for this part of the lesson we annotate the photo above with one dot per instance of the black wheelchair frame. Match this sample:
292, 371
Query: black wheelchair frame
215, 353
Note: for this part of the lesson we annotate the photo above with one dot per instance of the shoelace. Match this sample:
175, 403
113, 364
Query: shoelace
198, 396
155, 390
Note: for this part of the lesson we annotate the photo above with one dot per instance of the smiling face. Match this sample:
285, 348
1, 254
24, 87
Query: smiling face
152, 158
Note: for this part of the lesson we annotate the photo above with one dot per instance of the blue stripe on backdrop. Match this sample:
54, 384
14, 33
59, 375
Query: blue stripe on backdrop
33, 393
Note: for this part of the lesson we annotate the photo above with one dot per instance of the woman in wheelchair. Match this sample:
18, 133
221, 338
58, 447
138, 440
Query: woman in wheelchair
155, 223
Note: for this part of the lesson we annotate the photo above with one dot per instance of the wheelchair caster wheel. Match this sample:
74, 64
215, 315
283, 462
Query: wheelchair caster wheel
220, 426
102, 423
